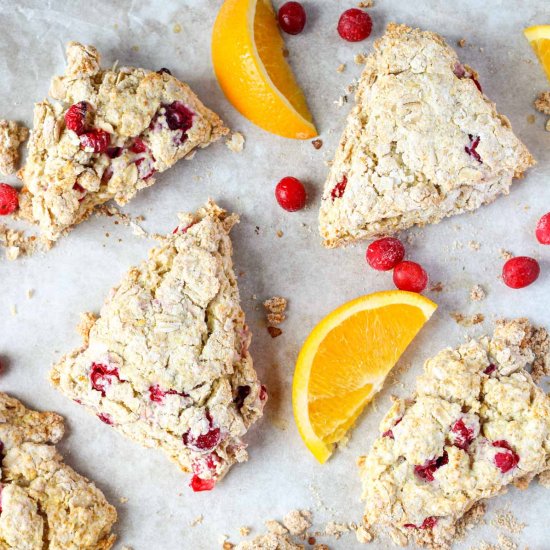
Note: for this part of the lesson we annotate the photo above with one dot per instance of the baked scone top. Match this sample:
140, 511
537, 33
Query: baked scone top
476, 424
167, 361
422, 143
44, 502
151, 120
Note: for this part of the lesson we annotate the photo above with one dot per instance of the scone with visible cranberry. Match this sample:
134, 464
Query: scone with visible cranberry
45, 503
476, 424
423, 142
167, 361
110, 133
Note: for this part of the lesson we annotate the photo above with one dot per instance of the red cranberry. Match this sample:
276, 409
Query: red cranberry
198, 484
507, 460
81, 191
354, 25
428, 523
95, 140
338, 190
490, 369
410, 276
102, 376
520, 272
9, 199
292, 17
291, 194
138, 146
427, 470
105, 418
203, 442
178, 116
472, 148
463, 435
476, 82
183, 229
385, 253
543, 229
157, 395
388, 433
114, 152
77, 117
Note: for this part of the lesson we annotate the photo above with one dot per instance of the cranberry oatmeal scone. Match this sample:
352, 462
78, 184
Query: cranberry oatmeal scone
423, 142
476, 424
44, 503
167, 361
110, 132
12, 135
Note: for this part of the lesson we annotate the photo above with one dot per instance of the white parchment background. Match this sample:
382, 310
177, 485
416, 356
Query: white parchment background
76, 275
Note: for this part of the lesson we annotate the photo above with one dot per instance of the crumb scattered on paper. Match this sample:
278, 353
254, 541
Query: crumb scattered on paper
29, 293
274, 331
275, 308
477, 293
341, 68
123, 500
13, 310
505, 520
359, 58
244, 531
462, 42
505, 254
365, 4
542, 103
437, 287
235, 143
474, 245
317, 143
468, 320
297, 521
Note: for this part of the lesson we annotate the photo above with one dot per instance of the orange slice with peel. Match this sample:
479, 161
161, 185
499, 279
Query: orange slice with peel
539, 38
345, 360
249, 62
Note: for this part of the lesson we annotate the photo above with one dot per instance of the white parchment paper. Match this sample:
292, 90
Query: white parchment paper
77, 274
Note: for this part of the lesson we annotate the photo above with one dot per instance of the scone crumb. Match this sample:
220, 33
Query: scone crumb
123, 500
275, 308
244, 531
531, 119
462, 42
197, 521
297, 521
477, 293
13, 310
274, 331
12, 135
363, 535
317, 143
341, 68
468, 320
321, 547
235, 142
359, 58
505, 254
336, 530
277, 304
437, 287
228, 545
29, 293
474, 245
504, 519
542, 103
273, 526
365, 4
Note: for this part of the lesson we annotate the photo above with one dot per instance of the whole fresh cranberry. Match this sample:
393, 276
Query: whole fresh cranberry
384, 254
77, 117
95, 141
292, 17
354, 25
102, 376
291, 194
520, 272
410, 276
542, 231
9, 199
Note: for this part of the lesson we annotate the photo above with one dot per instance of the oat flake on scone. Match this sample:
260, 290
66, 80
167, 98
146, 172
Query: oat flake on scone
422, 143
167, 363
45, 503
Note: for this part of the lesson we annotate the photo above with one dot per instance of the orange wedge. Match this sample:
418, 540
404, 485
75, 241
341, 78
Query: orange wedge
346, 359
247, 52
539, 38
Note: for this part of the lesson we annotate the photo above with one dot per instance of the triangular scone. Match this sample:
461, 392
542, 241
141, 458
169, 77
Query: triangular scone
148, 121
421, 143
476, 424
44, 502
167, 361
